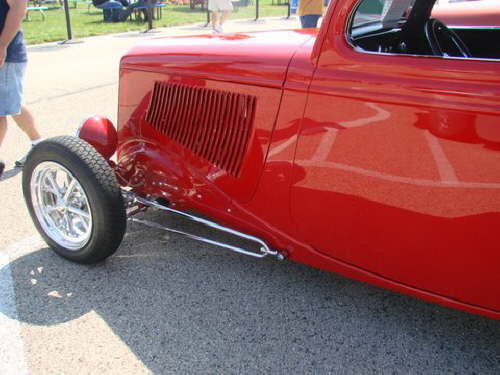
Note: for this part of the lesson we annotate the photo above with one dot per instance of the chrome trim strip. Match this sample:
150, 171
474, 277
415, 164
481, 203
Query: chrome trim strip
362, 51
264, 248
474, 27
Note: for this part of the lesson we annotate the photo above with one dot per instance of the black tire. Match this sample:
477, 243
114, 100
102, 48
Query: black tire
105, 203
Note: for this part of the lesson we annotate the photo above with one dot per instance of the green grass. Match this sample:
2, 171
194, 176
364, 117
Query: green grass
87, 23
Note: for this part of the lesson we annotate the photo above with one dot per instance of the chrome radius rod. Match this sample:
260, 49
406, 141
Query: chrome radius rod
264, 248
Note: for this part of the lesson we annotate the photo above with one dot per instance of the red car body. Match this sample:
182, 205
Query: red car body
383, 167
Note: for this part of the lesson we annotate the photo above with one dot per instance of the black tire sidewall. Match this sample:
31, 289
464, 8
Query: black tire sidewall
106, 203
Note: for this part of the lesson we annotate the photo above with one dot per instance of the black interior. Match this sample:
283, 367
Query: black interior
421, 35
482, 43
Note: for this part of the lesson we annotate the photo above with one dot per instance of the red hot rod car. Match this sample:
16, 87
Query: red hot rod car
369, 147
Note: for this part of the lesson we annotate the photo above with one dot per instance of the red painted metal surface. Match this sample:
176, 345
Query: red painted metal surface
232, 57
215, 125
384, 189
133, 123
100, 133
383, 168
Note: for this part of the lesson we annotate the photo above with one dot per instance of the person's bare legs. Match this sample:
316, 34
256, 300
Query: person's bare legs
3, 128
3, 131
224, 17
26, 122
214, 19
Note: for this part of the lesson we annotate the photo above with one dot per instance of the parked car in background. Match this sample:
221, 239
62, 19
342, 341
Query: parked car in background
479, 13
369, 147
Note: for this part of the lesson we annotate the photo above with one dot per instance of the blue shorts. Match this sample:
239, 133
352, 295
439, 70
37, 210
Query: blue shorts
11, 88
309, 20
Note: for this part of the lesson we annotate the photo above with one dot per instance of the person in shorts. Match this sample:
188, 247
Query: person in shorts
13, 60
216, 6
310, 11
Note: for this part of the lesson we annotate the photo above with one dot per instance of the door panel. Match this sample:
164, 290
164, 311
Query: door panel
400, 165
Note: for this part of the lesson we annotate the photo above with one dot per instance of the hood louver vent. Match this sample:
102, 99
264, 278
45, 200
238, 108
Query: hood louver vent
216, 125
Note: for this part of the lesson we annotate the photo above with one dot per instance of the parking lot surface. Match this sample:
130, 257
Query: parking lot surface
165, 304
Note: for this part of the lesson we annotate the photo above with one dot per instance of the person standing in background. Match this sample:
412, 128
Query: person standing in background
216, 6
111, 9
13, 60
309, 12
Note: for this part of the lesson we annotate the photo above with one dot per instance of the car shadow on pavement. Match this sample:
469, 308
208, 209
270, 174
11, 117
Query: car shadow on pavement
183, 307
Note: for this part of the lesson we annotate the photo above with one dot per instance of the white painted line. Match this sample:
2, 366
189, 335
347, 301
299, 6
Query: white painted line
380, 115
12, 359
400, 179
282, 147
445, 169
326, 145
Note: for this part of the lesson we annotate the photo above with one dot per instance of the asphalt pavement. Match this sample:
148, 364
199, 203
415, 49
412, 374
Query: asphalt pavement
165, 304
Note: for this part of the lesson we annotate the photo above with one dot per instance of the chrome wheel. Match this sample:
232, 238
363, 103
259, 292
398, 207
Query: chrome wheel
61, 205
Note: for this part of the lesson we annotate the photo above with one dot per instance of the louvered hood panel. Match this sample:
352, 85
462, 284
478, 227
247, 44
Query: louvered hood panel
214, 124
210, 103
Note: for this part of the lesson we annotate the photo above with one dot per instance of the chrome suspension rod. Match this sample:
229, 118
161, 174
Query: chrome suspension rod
264, 249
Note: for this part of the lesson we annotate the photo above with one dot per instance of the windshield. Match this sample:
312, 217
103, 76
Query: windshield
385, 12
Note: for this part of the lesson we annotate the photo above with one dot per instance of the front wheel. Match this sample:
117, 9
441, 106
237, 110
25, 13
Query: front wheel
74, 199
